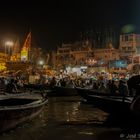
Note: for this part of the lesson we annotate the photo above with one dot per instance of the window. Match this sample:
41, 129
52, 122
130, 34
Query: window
123, 48
126, 37
131, 38
129, 48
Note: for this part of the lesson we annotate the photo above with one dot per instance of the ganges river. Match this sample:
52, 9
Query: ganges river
67, 118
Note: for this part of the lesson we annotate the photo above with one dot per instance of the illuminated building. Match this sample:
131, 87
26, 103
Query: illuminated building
20, 61
72, 55
36, 55
104, 55
16, 52
84, 54
130, 47
16, 47
15, 57
15, 66
3, 58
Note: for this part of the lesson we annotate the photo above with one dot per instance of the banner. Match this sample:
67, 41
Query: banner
27, 43
26, 48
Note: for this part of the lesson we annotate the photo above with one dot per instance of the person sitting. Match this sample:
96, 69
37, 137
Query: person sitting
123, 88
108, 86
63, 82
12, 87
52, 82
102, 87
95, 86
113, 88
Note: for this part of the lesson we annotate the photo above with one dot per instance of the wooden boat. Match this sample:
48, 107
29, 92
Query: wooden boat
18, 109
63, 91
83, 92
111, 104
52, 91
39, 87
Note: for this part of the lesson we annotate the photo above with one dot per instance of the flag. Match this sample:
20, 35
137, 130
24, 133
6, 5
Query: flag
27, 43
25, 52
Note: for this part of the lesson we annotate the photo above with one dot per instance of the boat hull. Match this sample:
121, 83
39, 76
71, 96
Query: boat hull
63, 91
52, 91
110, 104
12, 116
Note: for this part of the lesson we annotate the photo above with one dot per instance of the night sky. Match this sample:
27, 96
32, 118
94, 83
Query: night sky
54, 22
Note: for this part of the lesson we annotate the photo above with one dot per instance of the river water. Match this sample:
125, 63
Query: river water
67, 118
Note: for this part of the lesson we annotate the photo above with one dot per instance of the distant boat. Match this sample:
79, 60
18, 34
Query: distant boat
18, 109
63, 91
108, 103
84, 91
52, 91
112, 104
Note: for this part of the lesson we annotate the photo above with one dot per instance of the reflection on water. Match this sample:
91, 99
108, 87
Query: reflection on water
71, 109
66, 118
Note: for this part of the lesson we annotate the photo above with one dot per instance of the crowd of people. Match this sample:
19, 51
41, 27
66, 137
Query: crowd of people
103, 82
12, 84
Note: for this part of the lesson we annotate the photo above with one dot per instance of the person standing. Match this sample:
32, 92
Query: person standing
123, 89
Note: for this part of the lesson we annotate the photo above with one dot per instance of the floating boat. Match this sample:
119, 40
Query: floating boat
18, 109
52, 91
84, 92
63, 91
39, 87
111, 104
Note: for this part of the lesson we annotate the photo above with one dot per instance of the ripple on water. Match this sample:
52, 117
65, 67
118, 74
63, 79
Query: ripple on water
63, 118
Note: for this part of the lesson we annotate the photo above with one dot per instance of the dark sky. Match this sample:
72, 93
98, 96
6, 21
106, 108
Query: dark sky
53, 22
